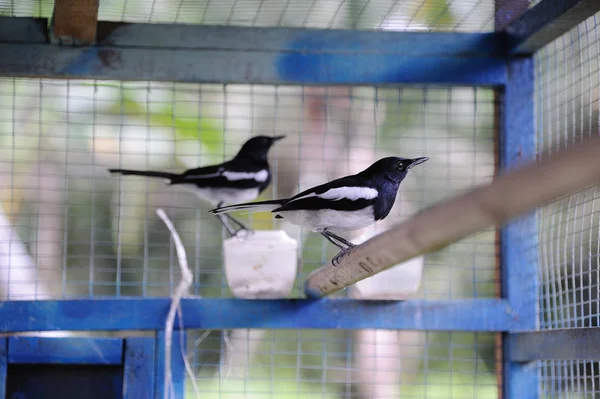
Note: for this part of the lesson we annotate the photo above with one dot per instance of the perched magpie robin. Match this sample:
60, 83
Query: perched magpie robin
242, 178
348, 203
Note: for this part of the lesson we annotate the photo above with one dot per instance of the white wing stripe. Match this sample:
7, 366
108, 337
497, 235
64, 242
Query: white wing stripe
349, 193
259, 176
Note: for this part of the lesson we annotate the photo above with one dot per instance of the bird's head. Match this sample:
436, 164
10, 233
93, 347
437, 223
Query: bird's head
258, 147
394, 168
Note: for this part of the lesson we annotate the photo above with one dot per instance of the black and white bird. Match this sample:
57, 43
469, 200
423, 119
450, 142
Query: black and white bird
347, 203
242, 178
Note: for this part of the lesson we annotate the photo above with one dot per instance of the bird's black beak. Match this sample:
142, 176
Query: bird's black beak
277, 138
417, 161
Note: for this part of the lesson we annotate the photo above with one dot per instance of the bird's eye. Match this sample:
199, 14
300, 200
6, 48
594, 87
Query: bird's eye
400, 165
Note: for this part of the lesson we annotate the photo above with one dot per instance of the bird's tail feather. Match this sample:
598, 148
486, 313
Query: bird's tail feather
125, 172
261, 206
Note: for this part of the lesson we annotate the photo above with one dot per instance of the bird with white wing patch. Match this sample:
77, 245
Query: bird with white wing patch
348, 203
242, 178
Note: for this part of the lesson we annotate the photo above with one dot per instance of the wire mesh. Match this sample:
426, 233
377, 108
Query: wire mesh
76, 231
94, 234
344, 364
570, 379
567, 91
398, 15
568, 97
85, 233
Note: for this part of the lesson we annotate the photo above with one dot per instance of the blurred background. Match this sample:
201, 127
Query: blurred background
70, 230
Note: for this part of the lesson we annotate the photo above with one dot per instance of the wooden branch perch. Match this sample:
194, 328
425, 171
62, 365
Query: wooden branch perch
507, 197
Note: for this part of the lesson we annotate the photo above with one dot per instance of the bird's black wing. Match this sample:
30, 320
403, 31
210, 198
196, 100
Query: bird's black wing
230, 174
348, 193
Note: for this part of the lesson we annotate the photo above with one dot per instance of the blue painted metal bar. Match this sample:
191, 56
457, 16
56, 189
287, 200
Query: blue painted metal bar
177, 389
248, 67
519, 239
150, 314
3, 365
44, 350
139, 368
237, 38
562, 344
254, 56
546, 21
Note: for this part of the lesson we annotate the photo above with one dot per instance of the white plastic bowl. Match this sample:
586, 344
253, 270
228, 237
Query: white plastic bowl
398, 282
262, 265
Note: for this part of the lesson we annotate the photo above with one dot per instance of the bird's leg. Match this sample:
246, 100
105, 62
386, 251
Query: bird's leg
240, 224
226, 218
225, 223
345, 245
340, 239
324, 234
228, 227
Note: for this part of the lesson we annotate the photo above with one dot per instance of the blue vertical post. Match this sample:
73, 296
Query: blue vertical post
519, 239
139, 368
177, 365
3, 365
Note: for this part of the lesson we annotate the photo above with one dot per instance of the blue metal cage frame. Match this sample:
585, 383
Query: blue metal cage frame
502, 60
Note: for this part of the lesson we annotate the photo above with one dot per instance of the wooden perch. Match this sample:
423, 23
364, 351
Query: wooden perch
74, 21
507, 197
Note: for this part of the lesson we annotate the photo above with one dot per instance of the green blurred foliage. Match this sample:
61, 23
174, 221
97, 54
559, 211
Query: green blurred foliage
435, 12
204, 129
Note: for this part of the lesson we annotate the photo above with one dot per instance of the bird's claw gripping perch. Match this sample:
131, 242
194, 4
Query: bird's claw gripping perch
336, 259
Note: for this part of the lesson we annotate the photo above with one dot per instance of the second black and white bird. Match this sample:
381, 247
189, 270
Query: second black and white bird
348, 203
242, 178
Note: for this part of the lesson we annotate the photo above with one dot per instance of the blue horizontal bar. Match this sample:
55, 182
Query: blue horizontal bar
238, 38
341, 41
45, 350
249, 67
221, 54
547, 21
150, 314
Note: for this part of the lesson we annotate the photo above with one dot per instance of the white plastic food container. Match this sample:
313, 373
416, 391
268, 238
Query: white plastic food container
398, 282
261, 265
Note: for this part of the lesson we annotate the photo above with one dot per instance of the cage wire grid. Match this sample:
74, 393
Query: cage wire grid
567, 101
96, 235
348, 364
397, 15
62, 136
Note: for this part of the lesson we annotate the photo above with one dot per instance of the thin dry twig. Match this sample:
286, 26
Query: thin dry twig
184, 285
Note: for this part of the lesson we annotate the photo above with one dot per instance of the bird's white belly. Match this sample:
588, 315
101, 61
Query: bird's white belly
224, 195
331, 219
